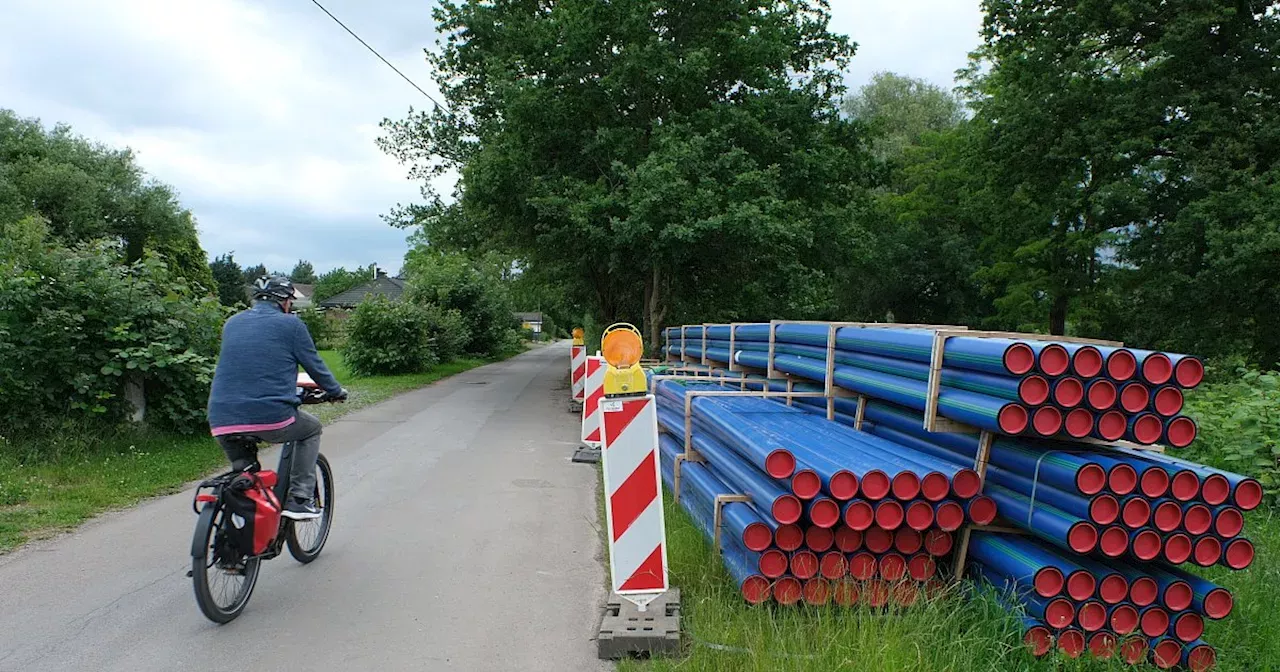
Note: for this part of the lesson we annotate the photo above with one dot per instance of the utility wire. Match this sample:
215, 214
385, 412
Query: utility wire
375, 53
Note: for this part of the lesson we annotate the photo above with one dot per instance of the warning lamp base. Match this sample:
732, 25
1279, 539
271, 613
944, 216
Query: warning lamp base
625, 631
628, 382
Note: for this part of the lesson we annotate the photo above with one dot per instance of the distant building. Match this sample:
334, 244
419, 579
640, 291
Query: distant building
381, 285
530, 321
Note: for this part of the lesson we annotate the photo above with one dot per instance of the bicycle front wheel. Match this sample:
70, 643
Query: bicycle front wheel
223, 578
306, 538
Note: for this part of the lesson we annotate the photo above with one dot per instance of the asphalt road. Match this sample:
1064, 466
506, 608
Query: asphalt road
463, 539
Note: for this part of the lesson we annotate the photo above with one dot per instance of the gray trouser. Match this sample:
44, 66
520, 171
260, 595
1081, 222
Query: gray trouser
305, 435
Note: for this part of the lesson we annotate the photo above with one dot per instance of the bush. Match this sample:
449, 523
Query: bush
385, 337
318, 324
447, 331
76, 326
473, 288
1239, 422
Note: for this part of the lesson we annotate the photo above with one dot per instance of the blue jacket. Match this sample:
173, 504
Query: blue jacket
255, 383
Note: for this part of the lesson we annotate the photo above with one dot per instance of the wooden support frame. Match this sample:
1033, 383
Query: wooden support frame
718, 516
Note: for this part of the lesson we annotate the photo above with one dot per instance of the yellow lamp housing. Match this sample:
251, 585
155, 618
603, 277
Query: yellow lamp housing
622, 348
577, 336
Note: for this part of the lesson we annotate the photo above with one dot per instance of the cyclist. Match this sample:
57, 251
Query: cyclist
254, 393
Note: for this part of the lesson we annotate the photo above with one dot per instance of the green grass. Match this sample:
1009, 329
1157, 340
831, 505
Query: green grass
93, 474
954, 631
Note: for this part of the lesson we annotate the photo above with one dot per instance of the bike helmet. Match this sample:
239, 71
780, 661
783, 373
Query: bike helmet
274, 288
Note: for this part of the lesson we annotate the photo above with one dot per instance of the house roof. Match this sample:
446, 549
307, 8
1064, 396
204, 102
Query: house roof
392, 288
529, 317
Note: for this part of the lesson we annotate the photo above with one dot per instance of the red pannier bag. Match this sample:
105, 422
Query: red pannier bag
253, 511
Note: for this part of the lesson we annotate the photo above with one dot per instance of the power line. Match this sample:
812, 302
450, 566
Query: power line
375, 53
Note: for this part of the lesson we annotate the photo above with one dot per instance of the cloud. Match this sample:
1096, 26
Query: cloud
930, 39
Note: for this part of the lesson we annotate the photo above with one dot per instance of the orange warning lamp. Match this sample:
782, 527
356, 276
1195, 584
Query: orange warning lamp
622, 348
577, 336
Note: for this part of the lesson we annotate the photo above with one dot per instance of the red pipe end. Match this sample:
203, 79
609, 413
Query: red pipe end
1086, 362
949, 516
1102, 645
1147, 429
1215, 489
817, 591
806, 484
934, 486
1134, 398
877, 594
1208, 551
1012, 419
1218, 604
862, 566
787, 591
921, 567
1177, 548
787, 509
1197, 519
1239, 553
889, 514
1168, 401
1079, 423
833, 565
780, 463
755, 590
789, 537
905, 594
1059, 613
1038, 640
1033, 390
757, 537
906, 540
1114, 541
845, 593
1047, 421
893, 567
982, 510
1092, 616
1054, 360
1104, 509
875, 485
804, 565
919, 516
1143, 591
1071, 643
1102, 395
1166, 654
1080, 585
819, 539
1167, 516
878, 540
966, 483
773, 563
1248, 494
1133, 651
1113, 588
1068, 392
1155, 622
1082, 537
1146, 545
1202, 658
1185, 486
937, 543
1112, 425
1019, 358
848, 540
1048, 581
1155, 482
1189, 372
859, 515
1181, 432
844, 485
1178, 596
824, 512
1124, 619
1137, 512
1091, 479
1157, 369
1121, 365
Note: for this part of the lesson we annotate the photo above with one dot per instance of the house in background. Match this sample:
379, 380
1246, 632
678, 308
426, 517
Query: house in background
530, 321
381, 285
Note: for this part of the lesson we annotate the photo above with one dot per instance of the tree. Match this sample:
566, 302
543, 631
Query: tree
900, 110
229, 279
303, 273
656, 134
339, 280
474, 288
252, 273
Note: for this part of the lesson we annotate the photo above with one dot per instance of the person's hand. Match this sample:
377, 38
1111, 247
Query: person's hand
340, 396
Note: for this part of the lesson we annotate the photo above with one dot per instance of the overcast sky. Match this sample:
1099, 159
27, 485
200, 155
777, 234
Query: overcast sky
263, 113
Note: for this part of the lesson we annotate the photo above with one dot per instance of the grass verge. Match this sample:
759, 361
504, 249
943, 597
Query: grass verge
90, 475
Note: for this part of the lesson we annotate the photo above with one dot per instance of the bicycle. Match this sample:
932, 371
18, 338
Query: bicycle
215, 558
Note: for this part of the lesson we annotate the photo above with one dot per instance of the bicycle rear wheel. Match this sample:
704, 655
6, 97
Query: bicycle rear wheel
223, 578
306, 538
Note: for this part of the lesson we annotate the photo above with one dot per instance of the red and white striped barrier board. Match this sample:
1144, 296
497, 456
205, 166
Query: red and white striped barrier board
594, 392
633, 498
578, 370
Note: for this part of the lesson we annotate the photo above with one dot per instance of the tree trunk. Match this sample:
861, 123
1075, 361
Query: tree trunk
655, 309
1058, 315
